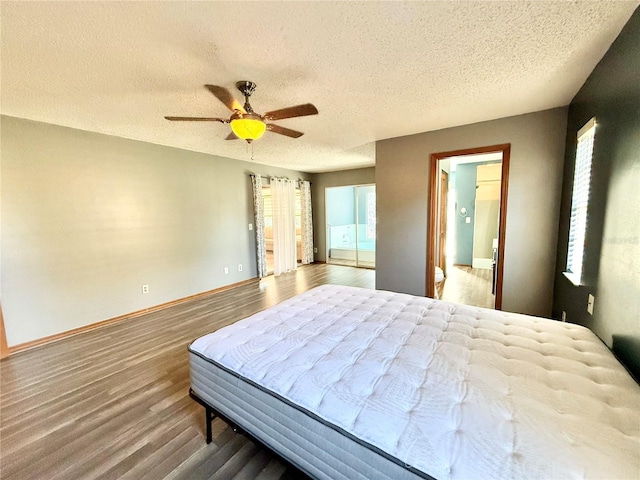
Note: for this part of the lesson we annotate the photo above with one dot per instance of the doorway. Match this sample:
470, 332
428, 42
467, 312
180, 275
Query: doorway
351, 225
267, 201
466, 228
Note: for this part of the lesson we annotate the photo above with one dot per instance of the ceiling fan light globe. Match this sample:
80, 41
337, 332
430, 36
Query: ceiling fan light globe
248, 128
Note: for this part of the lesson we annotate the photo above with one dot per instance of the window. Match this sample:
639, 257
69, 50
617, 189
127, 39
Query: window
580, 202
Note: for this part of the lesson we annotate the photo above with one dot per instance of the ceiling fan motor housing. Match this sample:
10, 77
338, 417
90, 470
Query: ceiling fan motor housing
246, 87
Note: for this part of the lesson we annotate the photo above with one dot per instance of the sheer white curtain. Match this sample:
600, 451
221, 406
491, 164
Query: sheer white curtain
258, 211
306, 222
283, 197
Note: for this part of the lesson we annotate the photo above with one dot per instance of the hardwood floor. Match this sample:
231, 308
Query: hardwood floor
113, 402
469, 286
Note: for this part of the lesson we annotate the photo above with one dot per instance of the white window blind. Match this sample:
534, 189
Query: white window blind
580, 201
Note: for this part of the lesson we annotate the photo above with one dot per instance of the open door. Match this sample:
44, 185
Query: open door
466, 212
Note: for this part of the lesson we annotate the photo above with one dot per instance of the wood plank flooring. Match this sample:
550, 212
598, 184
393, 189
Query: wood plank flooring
469, 286
113, 402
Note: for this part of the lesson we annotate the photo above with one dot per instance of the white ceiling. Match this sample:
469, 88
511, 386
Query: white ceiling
375, 70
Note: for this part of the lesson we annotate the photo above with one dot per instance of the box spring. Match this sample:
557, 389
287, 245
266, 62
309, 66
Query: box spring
320, 450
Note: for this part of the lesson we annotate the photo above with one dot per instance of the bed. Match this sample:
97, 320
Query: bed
351, 383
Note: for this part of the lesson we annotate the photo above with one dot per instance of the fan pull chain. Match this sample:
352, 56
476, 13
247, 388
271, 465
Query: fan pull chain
250, 145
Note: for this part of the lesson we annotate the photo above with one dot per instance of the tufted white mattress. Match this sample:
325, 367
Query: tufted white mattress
450, 391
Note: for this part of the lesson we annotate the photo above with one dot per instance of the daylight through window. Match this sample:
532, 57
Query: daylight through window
580, 201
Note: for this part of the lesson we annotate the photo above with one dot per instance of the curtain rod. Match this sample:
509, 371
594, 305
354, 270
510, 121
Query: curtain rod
273, 176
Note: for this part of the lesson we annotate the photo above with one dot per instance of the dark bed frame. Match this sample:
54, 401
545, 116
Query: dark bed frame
210, 415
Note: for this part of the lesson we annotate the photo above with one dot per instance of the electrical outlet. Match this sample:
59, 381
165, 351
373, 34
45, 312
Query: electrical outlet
564, 316
226, 270
239, 267
590, 303
315, 250
145, 288
251, 226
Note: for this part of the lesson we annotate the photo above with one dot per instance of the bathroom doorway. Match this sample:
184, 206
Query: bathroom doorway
351, 225
467, 223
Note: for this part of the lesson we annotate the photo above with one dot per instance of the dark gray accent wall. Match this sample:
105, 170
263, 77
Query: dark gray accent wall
87, 219
612, 251
535, 181
321, 181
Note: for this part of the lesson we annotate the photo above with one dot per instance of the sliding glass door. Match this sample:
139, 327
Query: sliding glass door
351, 225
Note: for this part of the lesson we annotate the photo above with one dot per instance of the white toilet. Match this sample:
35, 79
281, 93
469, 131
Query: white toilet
439, 277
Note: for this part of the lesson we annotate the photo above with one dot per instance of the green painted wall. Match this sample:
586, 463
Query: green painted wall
465, 197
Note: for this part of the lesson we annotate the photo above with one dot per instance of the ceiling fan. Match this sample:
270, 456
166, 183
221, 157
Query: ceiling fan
245, 123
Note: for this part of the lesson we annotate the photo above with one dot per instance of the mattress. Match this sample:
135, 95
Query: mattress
353, 383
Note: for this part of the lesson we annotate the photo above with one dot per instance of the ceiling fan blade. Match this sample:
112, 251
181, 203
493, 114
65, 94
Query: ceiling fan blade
197, 119
225, 97
290, 112
284, 131
231, 136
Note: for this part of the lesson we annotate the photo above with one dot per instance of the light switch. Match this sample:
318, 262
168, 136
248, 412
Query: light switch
251, 226
468, 219
590, 302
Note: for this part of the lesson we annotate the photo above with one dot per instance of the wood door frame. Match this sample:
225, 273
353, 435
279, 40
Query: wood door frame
432, 227
4, 349
444, 191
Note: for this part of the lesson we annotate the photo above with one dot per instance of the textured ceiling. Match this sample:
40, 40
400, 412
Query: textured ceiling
375, 70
